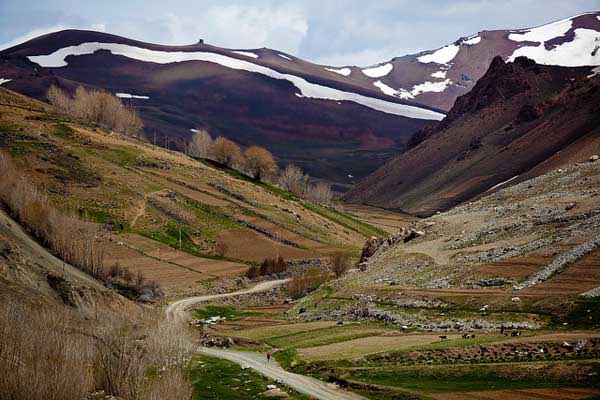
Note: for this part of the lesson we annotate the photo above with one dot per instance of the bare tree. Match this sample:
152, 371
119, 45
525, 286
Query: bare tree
97, 106
294, 180
340, 263
201, 145
320, 193
259, 162
226, 152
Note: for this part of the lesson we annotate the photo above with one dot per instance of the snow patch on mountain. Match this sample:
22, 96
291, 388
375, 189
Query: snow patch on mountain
421, 88
581, 51
131, 96
284, 56
401, 93
3, 81
430, 87
441, 56
307, 89
543, 33
439, 74
245, 53
378, 71
341, 71
472, 40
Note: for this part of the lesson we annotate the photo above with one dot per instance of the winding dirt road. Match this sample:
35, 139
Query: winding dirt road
177, 309
303, 384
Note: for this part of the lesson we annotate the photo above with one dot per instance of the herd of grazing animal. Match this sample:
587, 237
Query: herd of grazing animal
472, 335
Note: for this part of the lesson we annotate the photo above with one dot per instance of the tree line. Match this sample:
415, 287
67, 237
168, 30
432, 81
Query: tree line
259, 163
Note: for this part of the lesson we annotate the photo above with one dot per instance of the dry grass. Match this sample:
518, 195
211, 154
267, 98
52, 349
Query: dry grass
48, 354
39, 358
97, 106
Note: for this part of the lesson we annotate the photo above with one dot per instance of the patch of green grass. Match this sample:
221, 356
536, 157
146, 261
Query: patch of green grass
240, 175
345, 220
320, 337
428, 381
218, 219
171, 239
217, 379
63, 131
584, 313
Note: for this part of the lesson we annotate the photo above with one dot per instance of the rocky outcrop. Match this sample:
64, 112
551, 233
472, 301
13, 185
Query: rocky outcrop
375, 244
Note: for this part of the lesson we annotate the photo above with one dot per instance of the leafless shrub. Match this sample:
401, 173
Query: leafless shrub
226, 152
129, 347
59, 99
259, 162
201, 145
39, 357
294, 180
99, 107
340, 263
303, 283
320, 193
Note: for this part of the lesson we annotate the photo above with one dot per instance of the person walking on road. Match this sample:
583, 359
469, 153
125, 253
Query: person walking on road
268, 357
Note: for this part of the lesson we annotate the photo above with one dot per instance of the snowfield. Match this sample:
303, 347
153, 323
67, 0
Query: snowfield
341, 71
284, 56
472, 40
379, 71
307, 89
543, 33
575, 53
3, 81
424, 87
440, 56
130, 96
430, 87
245, 53
439, 74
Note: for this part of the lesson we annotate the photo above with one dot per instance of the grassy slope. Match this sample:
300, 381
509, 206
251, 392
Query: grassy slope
144, 190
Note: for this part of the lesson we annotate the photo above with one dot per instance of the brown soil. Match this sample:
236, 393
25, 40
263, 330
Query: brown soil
520, 394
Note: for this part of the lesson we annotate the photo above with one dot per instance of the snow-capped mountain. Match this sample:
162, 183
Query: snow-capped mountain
334, 121
436, 78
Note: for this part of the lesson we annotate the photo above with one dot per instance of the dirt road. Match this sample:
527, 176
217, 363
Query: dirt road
306, 385
303, 384
176, 310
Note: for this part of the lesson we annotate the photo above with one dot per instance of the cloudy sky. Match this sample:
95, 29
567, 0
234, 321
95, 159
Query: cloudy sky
335, 32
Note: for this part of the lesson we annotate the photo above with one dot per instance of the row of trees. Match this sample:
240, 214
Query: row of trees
255, 160
97, 106
259, 163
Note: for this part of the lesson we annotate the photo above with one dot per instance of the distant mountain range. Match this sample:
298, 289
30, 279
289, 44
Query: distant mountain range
338, 123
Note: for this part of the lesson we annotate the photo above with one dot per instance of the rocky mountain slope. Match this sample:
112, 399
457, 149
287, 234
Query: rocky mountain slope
520, 120
523, 256
339, 123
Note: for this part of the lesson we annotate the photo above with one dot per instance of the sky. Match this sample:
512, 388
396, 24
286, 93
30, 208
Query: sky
332, 32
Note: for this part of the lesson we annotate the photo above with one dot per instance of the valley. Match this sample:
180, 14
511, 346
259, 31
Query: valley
192, 222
